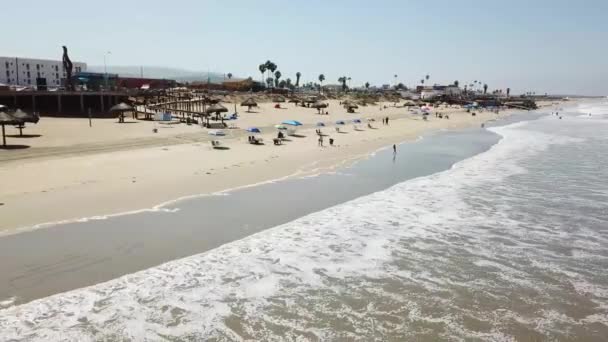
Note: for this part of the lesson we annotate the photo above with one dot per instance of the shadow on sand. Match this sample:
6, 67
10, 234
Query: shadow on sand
23, 136
14, 147
221, 148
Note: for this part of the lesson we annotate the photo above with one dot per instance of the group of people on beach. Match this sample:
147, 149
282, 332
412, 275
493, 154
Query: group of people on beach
385, 121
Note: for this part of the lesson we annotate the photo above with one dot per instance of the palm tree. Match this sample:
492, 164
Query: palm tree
277, 76
456, 83
366, 85
508, 92
349, 81
321, 79
485, 89
422, 81
262, 69
298, 75
229, 75
269, 82
343, 81
427, 77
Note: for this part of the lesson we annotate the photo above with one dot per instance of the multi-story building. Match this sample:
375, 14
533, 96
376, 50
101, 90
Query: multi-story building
32, 72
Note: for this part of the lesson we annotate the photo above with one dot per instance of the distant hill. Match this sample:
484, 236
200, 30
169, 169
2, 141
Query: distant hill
179, 75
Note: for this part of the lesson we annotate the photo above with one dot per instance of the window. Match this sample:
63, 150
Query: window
6, 65
57, 76
28, 75
38, 74
29, 81
27, 66
7, 74
37, 66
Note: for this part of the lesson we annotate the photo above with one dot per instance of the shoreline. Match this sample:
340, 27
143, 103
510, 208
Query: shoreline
103, 196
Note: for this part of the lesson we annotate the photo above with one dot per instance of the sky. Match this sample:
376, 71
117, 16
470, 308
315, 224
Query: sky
553, 46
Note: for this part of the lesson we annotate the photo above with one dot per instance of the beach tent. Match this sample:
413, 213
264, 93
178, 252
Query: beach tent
250, 102
292, 123
6, 119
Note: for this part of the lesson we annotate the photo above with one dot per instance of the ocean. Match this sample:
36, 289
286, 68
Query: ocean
509, 244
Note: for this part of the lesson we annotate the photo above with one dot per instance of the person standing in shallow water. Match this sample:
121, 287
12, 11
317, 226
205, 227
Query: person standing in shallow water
394, 149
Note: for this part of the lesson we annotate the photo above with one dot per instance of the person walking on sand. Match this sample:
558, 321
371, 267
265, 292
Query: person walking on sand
387, 120
320, 140
394, 149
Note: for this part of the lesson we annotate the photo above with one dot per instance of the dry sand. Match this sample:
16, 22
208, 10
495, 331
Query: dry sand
75, 171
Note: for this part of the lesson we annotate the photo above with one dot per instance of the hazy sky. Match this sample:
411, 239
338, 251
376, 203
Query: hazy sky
535, 45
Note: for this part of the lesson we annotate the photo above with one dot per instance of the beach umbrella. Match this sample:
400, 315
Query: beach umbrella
216, 108
250, 102
280, 127
409, 104
371, 119
6, 119
25, 117
340, 122
217, 133
292, 123
356, 121
253, 130
121, 108
320, 124
319, 105
278, 99
294, 100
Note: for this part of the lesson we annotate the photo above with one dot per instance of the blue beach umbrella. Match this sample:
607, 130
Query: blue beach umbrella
253, 130
292, 123
356, 121
339, 122
320, 124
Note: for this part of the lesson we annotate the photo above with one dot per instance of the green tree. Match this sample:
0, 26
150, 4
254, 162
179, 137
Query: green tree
321, 79
508, 92
262, 69
485, 89
229, 75
298, 75
366, 85
269, 81
456, 83
277, 76
343, 81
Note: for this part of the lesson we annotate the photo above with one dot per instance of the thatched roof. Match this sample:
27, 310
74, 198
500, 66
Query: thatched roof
319, 104
278, 99
294, 100
25, 117
7, 119
121, 107
250, 102
216, 108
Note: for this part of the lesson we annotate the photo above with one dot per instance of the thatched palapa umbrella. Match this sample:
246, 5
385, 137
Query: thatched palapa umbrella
121, 108
25, 117
278, 99
318, 105
217, 109
250, 102
6, 119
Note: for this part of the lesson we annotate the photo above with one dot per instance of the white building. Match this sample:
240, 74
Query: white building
30, 72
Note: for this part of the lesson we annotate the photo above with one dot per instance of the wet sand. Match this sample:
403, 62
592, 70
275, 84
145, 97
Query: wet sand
60, 258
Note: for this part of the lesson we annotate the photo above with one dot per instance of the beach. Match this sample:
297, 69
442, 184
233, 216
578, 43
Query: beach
462, 235
72, 171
